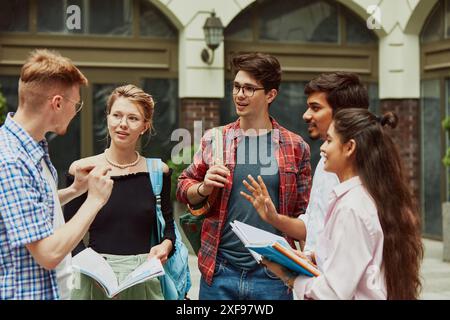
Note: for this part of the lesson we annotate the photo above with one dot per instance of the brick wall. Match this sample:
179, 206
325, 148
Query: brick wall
205, 110
407, 137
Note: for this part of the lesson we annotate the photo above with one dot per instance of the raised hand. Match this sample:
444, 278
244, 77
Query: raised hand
100, 184
260, 199
81, 174
215, 177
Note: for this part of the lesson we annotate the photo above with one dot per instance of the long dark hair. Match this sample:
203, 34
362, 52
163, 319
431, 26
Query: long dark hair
380, 169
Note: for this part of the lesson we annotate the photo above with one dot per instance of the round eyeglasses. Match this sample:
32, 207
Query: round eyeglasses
78, 105
131, 120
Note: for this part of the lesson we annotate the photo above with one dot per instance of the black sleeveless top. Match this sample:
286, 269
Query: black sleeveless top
126, 224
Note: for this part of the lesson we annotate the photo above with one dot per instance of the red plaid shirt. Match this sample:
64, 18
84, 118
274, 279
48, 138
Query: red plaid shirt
293, 157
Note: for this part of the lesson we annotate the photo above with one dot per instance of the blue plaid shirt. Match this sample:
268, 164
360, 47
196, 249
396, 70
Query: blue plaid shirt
26, 214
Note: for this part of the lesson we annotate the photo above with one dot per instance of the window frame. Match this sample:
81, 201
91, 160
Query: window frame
342, 12
135, 26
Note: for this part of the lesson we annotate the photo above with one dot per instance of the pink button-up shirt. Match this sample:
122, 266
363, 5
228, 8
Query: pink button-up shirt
349, 251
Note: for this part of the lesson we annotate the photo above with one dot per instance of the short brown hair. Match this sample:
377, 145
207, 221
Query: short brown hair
136, 95
45, 71
343, 90
46, 66
264, 68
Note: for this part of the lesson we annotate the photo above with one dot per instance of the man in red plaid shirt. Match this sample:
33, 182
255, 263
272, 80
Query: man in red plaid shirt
253, 145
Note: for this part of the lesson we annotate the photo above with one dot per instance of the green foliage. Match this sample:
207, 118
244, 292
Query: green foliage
2, 108
446, 126
178, 164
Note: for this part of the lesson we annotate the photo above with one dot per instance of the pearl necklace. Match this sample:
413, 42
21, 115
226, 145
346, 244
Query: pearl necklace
123, 166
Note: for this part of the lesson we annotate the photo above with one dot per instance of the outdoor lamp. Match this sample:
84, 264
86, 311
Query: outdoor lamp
213, 30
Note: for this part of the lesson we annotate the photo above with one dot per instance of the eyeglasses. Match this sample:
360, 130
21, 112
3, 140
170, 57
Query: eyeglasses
78, 105
248, 91
116, 119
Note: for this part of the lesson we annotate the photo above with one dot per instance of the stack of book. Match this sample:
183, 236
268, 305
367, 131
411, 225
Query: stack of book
273, 247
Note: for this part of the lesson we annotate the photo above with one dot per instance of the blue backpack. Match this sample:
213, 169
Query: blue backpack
176, 283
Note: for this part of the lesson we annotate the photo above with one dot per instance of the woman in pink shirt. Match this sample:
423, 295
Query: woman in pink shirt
371, 246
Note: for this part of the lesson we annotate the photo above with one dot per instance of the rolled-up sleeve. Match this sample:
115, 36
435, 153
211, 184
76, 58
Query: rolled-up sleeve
303, 181
196, 171
24, 213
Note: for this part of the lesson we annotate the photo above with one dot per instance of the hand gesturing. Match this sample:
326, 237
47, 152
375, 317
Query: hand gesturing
260, 198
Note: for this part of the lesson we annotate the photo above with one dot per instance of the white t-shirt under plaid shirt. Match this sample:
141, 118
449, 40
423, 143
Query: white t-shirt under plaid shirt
26, 214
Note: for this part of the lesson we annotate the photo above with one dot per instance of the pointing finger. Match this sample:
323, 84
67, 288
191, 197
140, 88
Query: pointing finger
105, 170
87, 168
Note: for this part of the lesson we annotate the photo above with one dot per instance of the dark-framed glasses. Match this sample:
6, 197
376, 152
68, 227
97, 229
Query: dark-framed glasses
248, 91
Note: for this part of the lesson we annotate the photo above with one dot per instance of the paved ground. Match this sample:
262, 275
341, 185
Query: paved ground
435, 274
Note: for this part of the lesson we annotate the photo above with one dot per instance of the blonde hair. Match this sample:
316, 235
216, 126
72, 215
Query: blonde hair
44, 70
135, 95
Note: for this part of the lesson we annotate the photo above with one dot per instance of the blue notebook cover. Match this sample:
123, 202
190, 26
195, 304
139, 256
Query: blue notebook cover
274, 255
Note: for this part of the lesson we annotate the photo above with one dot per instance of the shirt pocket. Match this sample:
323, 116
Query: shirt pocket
291, 168
290, 173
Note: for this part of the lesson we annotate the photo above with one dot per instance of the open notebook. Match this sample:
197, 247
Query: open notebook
95, 266
273, 247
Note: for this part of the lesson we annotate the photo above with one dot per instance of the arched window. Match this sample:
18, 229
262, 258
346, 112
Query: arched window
120, 18
437, 26
299, 21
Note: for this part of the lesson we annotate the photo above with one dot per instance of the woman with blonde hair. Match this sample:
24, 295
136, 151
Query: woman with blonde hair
371, 246
125, 229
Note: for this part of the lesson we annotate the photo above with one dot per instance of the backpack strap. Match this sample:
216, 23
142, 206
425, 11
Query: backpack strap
154, 166
177, 279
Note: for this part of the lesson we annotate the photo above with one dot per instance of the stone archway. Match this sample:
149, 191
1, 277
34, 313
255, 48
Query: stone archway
169, 12
356, 6
419, 15
360, 8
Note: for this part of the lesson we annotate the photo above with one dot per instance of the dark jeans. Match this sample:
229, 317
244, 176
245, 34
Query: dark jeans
232, 283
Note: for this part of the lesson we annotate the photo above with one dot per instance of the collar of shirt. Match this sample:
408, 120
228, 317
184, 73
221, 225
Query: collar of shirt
346, 186
36, 150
